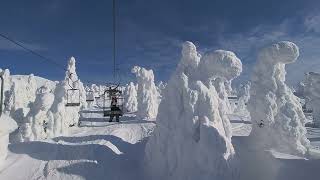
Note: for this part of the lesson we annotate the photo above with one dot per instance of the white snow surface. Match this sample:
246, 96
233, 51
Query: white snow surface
273, 103
148, 96
130, 96
193, 135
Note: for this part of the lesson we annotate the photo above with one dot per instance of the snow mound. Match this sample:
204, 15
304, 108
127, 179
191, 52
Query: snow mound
192, 139
148, 96
7, 125
130, 96
277, 116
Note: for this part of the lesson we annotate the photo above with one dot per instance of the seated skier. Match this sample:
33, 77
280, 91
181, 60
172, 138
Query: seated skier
114, 109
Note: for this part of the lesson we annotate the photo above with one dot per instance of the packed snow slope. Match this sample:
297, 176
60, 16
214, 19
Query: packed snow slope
96, 151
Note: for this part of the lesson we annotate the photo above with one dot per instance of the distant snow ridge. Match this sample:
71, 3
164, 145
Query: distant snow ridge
64, 117
192, 139
273, 105
148, 96
130, 96
312, 92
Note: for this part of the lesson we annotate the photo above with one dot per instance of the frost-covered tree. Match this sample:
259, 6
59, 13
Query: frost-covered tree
130, 96
277, 116
38, 123
64, 117
148, 96
192, 139
312, 93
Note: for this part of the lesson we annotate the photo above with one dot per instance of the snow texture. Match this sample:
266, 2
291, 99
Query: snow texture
272, 104
312, 92
192, 139
7, 125
148, 96
130, 96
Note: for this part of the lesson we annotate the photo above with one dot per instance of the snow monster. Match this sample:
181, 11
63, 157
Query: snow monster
276, 114
192, 139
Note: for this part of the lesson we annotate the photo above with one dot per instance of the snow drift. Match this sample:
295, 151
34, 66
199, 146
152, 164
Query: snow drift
192, 139
148, 96
277, 116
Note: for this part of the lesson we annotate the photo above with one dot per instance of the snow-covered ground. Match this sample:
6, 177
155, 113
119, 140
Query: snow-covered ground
98, 151
102, 150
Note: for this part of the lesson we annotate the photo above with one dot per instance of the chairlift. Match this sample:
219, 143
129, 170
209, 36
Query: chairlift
90, 96
73, 94
113, 102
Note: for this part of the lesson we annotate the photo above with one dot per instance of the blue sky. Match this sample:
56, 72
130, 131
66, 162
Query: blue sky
150, 33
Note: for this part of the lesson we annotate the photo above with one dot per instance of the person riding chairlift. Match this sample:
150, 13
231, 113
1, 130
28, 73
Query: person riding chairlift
114, 109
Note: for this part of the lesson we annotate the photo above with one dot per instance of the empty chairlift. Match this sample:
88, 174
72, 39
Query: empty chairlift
89, 96
73, 94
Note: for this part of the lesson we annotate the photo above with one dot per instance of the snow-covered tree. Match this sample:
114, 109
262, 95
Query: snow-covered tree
38, 123
148, 96
192, 139
130, 96
277, 116
64, 117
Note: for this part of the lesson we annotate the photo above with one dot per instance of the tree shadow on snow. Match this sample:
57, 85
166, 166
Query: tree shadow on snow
101, 161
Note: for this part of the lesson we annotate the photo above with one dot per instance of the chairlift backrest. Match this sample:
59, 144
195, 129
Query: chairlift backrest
73, 97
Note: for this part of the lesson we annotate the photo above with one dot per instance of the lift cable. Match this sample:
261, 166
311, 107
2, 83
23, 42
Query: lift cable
44, 58
33, 52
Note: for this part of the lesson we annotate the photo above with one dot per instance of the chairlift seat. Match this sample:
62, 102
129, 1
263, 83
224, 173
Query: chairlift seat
73, 104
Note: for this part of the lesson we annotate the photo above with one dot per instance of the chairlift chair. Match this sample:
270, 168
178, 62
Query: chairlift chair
110, 95
73, 94
90, 96
73, 97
